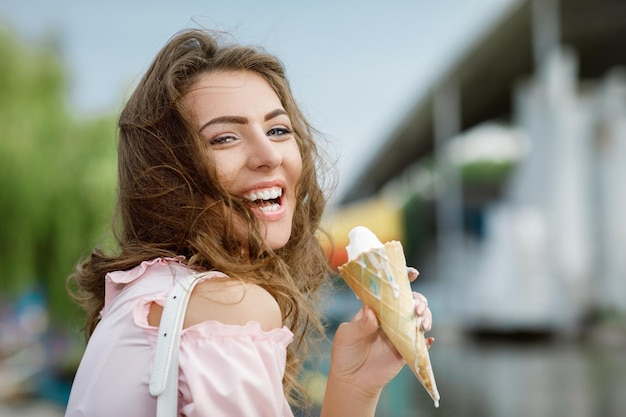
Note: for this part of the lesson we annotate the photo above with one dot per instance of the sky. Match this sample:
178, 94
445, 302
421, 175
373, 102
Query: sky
355, 67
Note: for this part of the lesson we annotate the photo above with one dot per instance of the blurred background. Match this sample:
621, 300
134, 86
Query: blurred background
488, 136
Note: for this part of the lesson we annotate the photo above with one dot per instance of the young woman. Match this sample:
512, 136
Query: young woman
218, 175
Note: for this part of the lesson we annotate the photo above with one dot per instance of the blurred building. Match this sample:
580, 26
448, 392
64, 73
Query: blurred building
507, 176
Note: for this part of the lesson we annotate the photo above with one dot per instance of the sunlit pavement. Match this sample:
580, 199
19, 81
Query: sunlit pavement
31, 409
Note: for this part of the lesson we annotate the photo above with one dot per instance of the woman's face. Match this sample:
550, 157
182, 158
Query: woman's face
256, 154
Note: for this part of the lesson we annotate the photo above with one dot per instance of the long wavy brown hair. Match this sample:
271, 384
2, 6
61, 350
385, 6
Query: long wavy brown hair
170, 203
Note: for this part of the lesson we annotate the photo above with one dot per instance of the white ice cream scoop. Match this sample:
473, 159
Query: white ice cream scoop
362, 240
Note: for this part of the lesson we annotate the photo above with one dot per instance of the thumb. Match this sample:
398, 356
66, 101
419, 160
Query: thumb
366, 320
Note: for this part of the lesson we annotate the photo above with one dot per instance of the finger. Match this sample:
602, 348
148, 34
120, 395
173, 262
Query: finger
420, 308
412, 273
367, 320
362, 325
421, 303
359, 314
420, 298
429, 342
427, 323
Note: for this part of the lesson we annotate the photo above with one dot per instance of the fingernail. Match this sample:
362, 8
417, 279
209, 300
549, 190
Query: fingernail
430, 341
425, 323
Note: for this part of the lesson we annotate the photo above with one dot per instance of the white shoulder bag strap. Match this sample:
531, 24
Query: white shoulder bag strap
164, 379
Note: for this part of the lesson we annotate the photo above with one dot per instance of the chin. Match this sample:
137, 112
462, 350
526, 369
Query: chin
277, 236
276, 242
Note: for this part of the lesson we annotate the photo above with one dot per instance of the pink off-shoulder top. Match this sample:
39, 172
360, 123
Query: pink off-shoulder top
225, 370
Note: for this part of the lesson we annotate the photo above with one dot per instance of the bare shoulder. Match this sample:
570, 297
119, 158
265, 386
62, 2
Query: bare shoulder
231, 301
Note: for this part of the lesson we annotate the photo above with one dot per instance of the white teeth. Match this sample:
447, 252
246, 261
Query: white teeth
270, 208
264, 194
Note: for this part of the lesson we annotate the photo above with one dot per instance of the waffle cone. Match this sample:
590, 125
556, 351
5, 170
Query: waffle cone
379, 278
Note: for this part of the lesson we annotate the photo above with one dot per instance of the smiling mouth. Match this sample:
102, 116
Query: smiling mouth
267, 200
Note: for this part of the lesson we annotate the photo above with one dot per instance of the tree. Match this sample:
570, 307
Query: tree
57, 176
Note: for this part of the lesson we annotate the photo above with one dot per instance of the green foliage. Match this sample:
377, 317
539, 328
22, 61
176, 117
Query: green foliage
57, 176
419, 226
486, 173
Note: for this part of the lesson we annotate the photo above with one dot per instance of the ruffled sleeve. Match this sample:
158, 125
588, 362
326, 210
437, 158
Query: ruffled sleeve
116, 281
228, 370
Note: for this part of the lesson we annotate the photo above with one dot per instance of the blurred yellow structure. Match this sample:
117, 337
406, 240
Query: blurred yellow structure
380, 215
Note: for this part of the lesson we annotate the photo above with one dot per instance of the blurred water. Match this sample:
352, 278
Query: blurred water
32, 409
538, 375
509, 379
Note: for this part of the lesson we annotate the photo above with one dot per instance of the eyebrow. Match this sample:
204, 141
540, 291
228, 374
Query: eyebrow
242, 120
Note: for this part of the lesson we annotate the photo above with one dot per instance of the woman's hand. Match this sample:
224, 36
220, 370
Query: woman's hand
363, 356
421, 306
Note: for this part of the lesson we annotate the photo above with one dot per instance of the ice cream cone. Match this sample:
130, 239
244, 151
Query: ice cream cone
379, 278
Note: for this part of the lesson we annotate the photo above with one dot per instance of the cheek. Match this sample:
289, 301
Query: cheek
295, 163
226, 168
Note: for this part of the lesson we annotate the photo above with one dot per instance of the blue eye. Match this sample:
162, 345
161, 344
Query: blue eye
278, 131
221, 140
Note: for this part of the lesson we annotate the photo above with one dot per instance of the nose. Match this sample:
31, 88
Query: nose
264, 153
